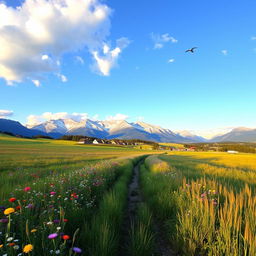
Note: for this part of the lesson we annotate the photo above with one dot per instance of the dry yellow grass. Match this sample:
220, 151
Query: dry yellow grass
240, 160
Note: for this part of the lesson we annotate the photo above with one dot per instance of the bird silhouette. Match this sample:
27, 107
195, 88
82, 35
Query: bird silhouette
191, 50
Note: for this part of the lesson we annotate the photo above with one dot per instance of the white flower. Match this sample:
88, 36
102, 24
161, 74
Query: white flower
16, 247
9, 239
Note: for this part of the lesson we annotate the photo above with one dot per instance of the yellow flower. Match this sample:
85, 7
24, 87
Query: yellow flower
9, 211
33, 230
28, 248
1, 245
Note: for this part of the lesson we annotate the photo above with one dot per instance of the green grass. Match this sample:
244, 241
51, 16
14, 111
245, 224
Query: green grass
103, 233
23, 161
206, 208
141, 233
205, 203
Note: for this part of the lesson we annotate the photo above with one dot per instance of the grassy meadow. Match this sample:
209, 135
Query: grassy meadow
60, 198
205, 202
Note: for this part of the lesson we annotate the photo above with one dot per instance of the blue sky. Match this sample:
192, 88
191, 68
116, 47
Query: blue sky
214, 87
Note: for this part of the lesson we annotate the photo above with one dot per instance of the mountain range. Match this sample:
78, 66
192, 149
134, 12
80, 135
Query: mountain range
120, 129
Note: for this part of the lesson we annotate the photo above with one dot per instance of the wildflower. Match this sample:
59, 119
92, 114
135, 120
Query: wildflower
9, 239
52, 193
4, 220
9, 211
77, 250
56, 221
65, 220
33, 230
12, 199
11, 244
52, 236
18, 207
26, 189
29, 206
65, 237
16, 247
1, 245
28, 248
57, 251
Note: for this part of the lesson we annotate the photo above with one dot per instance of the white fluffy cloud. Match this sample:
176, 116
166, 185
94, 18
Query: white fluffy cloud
62, 78
35, 35
80, 59
160, 40
107, 58
224, 52
36, 83
37, 119
171, 60
117, 117
46, 116
253, 37
5, 113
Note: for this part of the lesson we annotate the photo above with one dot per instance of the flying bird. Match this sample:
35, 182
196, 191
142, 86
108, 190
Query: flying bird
191, 50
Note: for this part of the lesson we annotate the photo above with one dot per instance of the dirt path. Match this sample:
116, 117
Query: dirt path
133, 200
163, 247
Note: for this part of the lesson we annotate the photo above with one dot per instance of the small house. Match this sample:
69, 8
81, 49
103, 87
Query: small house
95, 142
232, 152
84, 141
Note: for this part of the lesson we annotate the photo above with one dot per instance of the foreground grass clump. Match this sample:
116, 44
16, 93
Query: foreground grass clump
209, 211
47, 214
142, 234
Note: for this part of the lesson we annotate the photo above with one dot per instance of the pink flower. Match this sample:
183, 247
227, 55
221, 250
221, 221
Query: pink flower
52, 236
52, 193
26, 189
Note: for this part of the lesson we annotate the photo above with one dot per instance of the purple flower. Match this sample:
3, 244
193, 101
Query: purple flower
52, 236
56, 221
77, 250
30, 206
4, 220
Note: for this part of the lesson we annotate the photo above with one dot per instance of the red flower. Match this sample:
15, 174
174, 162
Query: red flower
12, 199
26, 189
65, 237
18, 207
65, 220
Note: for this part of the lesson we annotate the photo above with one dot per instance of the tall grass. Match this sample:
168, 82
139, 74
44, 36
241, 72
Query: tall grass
103, 233
58, 205
141, 233
207, 214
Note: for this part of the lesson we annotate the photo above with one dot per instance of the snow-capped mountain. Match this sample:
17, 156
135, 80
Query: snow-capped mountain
85, 127
239, 134
111, 129
121, 129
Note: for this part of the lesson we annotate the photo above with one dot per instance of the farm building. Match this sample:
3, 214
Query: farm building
84, 141
232, 152
95, 142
